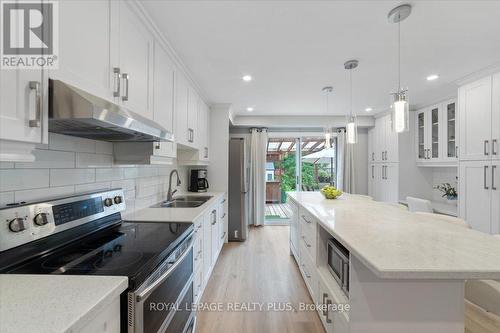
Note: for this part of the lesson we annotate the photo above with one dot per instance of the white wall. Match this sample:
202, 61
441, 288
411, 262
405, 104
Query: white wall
361, 162
68, 165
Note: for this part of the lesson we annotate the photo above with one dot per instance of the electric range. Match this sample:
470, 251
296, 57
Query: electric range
85, 235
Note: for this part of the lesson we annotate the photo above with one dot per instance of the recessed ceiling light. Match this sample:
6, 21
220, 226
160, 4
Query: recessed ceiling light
368, 109
432, 77
247, 78
250, 109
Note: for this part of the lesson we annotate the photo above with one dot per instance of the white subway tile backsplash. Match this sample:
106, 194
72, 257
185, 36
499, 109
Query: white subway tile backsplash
86, 160
71, 143
41, 193
108, 174
6, 198
103, 147
6, 165
147, 191
126, 184
69, 165
49, 159
92, 187
23, 179
60, 177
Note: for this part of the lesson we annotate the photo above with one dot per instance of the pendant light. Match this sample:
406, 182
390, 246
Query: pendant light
352, 125
400, 106
328, 133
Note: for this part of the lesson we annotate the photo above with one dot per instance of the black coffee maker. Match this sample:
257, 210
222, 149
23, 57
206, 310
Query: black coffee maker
198, 180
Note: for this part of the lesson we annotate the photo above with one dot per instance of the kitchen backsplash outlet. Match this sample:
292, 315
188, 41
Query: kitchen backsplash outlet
70, 165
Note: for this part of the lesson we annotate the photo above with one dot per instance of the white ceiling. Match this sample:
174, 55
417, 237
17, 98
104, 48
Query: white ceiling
294, 48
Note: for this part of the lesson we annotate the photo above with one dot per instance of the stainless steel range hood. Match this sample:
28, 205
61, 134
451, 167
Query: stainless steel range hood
77, 113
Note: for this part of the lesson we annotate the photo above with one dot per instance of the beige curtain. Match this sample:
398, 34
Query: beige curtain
345, 164
257, 200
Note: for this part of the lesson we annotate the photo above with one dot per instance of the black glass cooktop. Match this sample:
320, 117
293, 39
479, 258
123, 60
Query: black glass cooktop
127, 249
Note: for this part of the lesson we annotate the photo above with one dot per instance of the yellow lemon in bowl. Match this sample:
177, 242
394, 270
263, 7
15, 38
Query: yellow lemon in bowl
330, 192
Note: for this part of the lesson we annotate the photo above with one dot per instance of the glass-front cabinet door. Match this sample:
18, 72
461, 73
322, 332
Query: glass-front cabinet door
434, 139
450, 129
420, 132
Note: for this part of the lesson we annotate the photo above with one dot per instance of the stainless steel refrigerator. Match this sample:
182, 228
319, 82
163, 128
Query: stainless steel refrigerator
238, 190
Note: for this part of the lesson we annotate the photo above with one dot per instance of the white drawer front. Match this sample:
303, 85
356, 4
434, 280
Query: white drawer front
309, 272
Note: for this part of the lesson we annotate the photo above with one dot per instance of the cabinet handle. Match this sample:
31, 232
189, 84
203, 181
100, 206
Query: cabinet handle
486, 143
35, 85
223, 235
485, 176
493, 187
373, 171
386, 155
117, 77
456, 151
328, 320
373, 156
386, 177
125, 77
206, 152
305, 242
325, 311
493, 144
304, 218
223, 216
157, 145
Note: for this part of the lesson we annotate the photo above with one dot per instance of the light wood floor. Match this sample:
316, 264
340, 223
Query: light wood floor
258, 270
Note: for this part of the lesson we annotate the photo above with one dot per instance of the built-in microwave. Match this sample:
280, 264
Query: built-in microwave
338, 263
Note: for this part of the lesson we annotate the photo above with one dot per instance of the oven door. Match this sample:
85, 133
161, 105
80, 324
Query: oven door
167, 299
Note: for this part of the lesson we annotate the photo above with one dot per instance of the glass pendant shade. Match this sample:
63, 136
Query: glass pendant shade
400, 114
352, 130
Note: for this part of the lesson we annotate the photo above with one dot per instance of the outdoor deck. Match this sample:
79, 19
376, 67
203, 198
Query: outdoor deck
278, 211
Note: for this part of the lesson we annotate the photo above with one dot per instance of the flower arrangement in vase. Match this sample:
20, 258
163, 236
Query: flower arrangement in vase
448, 191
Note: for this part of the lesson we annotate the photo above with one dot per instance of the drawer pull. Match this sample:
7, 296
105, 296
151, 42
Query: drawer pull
325, 311
328, 320
484, 177
486, 144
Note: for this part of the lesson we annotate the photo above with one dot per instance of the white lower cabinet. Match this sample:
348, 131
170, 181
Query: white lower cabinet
479, 195
305, 242
383, 181
207, 245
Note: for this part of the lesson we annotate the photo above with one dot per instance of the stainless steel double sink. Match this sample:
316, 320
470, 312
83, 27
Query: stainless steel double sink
184, 201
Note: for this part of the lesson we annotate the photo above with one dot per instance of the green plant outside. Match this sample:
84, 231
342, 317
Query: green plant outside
308, 177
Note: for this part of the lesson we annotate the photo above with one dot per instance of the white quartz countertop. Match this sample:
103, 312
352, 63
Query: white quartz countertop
161, 214
395, 243
54, 303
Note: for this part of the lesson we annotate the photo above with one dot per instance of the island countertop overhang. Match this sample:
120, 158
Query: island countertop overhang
396, 244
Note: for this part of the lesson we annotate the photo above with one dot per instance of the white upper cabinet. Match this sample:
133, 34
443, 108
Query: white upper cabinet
475, 103
134, 59
23, 106
203, 130
450, 130
495, 118
192, 116
435, 135
182, 135
85, 47
384, 141
164, 102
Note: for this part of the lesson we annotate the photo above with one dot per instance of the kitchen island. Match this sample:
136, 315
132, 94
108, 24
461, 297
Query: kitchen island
407, 271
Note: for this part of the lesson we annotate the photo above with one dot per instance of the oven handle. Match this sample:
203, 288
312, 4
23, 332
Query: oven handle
146, 292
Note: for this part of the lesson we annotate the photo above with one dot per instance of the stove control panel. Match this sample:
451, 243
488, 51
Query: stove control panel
28, 222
